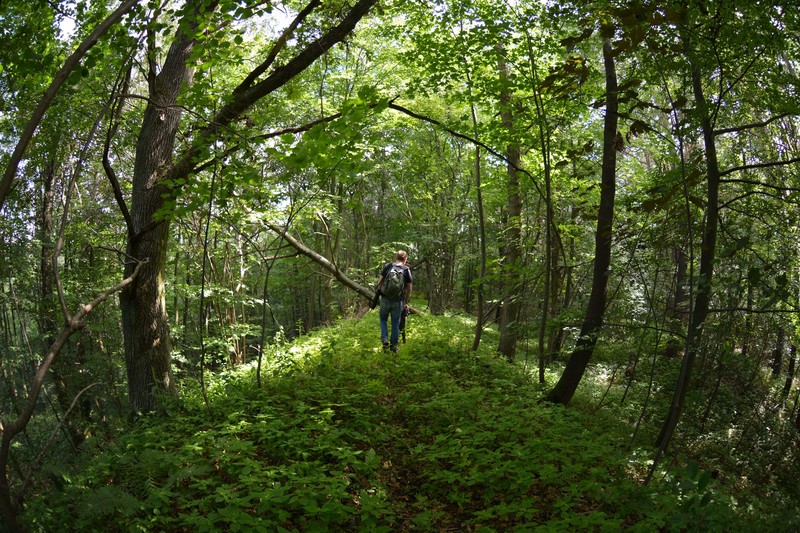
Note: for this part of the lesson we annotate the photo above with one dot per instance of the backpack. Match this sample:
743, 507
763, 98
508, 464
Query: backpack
394, 283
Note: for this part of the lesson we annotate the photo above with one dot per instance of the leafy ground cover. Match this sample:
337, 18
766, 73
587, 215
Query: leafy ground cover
344, 437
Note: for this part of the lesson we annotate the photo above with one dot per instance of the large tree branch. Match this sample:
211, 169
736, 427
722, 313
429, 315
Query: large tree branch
758, 165
244, 99
323, 262
59, 79
122, 85
749, 194
279, 45
735, 129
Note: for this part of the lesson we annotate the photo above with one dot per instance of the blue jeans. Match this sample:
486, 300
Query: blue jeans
393, 307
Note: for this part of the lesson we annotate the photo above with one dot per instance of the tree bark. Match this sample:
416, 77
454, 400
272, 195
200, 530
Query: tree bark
512, 240
480, 291
787, 385
145, 322
593, 319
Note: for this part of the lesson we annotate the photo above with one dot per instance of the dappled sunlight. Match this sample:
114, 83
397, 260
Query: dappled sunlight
344, 436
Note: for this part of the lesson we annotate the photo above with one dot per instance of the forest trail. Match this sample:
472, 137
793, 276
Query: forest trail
344, 437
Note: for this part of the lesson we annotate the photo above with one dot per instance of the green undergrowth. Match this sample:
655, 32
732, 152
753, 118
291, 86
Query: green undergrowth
344, 437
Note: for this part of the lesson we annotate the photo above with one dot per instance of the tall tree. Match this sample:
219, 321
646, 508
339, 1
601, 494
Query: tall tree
709, 45
159, 177
511, 248
593, 319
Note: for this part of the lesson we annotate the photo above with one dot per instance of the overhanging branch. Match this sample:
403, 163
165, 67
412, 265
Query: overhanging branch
735, 129
322, 261
58, 80
759, 165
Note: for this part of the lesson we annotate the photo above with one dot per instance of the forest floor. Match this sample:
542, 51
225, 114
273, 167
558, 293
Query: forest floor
341, 436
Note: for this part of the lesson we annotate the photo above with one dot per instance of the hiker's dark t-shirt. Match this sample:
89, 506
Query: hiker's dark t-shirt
406, 272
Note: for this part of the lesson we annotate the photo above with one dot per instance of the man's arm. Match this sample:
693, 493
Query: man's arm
409, 286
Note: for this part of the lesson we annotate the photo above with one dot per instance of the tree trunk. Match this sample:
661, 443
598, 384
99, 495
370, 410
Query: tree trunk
145, 323
787, 385
155, 179
593, 319
564, 277
550, 290
707, 256
512, 247
480, 296
778, 353
675, 309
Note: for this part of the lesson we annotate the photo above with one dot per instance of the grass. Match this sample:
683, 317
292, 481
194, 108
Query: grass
344, 437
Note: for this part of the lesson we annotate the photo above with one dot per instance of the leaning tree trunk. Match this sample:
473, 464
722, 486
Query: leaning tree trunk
593, 319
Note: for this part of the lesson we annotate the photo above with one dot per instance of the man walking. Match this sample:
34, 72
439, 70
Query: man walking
394, 285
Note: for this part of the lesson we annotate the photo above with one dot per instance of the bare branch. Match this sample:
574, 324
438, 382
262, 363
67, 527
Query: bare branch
731, 85
751, 193
112, 131
760, 184
37, 462
735, 129
65, 216
272, 134
758, 165
750, 310
454, 133
322, 261
12, 429
163, 106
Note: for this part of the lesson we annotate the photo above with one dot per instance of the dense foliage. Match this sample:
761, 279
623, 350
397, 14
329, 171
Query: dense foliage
345, 436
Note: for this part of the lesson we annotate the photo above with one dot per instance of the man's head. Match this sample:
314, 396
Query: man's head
401, 256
